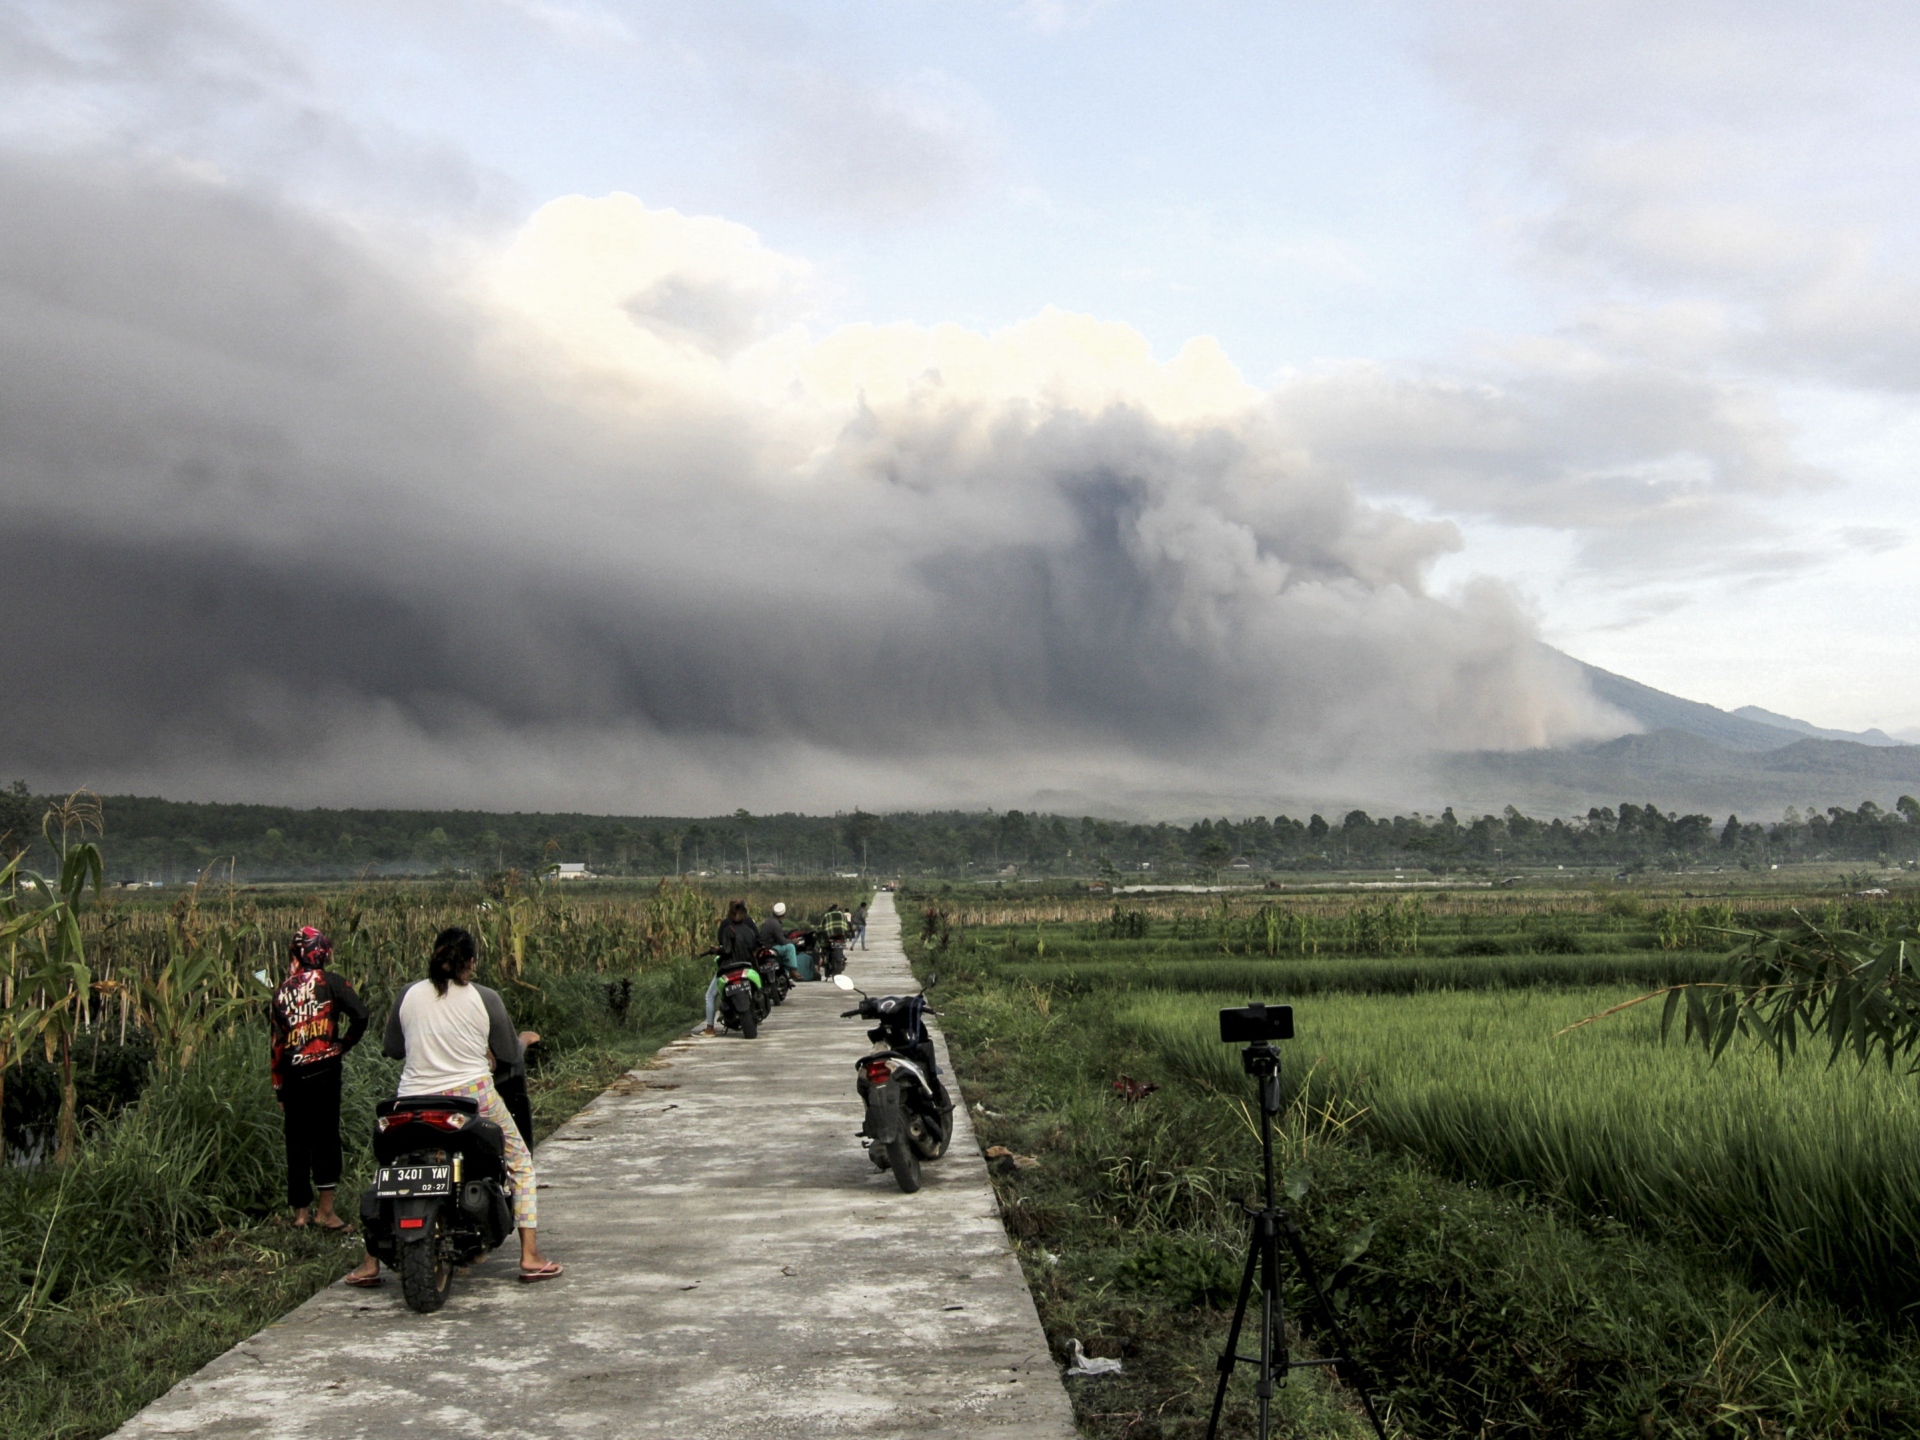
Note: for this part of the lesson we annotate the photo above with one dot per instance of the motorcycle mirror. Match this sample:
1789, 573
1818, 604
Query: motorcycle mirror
841, 982
932, 980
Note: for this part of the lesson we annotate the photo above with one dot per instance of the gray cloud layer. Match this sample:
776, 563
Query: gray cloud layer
283, 521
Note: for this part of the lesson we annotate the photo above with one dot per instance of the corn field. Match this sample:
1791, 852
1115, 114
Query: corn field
72, 964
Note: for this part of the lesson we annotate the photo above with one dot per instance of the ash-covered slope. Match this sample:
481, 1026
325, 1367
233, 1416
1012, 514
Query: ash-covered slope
1692, 757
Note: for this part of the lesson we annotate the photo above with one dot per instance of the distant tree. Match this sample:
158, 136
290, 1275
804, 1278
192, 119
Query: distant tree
1730, 836
1519, 827
860, 829
746, 822
1214, 853
1318, 829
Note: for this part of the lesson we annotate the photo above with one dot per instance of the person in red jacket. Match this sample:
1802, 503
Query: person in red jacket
317, 1019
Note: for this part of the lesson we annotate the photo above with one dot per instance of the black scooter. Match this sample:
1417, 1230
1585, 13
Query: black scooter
439, 1197
909, 1116
776, 981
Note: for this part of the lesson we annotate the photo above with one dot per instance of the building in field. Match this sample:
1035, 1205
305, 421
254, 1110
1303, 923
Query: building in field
572, 870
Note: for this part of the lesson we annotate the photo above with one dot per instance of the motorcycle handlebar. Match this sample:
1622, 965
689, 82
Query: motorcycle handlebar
849, 1014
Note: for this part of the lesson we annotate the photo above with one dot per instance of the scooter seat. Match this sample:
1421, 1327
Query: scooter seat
402, 1104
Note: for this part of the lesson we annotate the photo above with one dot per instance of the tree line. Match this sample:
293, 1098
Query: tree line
170, 841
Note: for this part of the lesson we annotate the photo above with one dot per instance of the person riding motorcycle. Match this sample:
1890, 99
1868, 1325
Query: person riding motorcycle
738, 939
773, 935
837, 926
450, 1031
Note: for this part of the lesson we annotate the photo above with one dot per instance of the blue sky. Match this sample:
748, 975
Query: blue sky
1288, 178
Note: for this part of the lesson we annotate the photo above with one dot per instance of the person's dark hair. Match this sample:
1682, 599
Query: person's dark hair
453, 956
737, 910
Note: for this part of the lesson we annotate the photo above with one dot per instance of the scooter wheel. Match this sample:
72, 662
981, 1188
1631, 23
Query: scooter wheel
426, 1269
904, 1161
749, 1022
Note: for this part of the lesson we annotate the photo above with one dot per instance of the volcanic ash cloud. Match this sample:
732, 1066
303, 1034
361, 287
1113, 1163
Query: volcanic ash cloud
595, 517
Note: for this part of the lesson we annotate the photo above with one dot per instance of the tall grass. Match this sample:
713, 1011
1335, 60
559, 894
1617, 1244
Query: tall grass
1807, 1177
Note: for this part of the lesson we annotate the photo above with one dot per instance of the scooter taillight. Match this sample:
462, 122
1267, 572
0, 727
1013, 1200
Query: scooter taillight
879, 1071
438, 1119
417, 1222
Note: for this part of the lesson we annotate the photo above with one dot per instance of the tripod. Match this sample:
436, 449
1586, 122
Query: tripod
1262, 1061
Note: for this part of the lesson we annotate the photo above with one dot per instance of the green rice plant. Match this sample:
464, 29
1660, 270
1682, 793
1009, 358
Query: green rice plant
1284, 979
1805, 1175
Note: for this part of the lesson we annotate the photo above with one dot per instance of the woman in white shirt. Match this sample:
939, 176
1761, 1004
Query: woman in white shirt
450, 1032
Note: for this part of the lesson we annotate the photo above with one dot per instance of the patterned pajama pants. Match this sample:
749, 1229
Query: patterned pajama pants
519, 1157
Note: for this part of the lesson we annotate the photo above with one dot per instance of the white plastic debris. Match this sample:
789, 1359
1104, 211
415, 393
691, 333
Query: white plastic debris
1083, 1364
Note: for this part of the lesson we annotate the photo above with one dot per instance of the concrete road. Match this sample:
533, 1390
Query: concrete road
735, 1267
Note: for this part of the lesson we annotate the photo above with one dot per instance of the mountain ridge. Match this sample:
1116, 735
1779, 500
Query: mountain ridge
1691, 755
1748, 728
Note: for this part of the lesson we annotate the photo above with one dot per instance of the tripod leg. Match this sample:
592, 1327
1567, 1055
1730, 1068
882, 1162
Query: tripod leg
1233, 1333
1312, 1277
1273, 1333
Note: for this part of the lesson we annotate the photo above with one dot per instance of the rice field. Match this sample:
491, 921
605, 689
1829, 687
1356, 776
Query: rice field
1574, 1231
1241, 980
1807, 1176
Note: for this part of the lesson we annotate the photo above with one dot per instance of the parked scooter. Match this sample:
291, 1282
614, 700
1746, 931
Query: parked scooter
909, 1117
743, 995
776, 979
439, 1197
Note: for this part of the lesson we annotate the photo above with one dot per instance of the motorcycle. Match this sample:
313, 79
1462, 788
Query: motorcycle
743, 995
909, 1115
776, 980
439, 1195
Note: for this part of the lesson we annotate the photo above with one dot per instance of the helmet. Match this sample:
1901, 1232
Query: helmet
779, 907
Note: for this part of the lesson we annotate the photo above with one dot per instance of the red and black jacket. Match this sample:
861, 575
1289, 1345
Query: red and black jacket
307, 1012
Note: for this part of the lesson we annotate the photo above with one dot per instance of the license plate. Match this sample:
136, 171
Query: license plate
405, 1182
737, 987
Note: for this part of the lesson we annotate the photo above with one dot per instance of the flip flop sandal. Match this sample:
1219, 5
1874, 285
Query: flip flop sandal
342, 1228
367, 1282
549, 1271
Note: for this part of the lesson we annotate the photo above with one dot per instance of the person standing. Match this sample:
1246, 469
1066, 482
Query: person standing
860, 924
309, 1046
